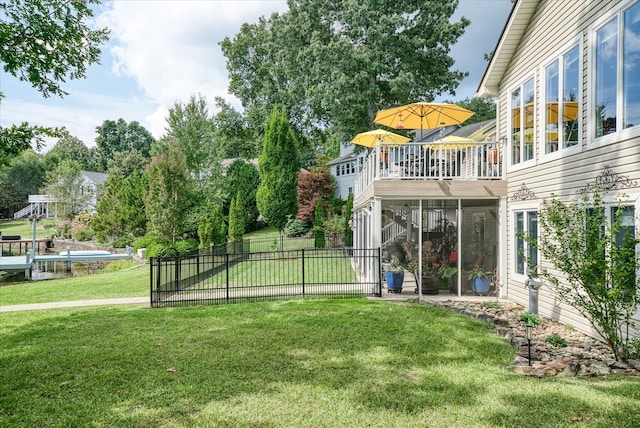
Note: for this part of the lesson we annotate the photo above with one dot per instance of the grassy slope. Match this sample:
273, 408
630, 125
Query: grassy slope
323, 364
132, 282
24, 228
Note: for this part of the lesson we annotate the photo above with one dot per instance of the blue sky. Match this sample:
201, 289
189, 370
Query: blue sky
162, 52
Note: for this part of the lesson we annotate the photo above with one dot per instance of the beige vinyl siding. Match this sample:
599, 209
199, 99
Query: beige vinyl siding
555, 26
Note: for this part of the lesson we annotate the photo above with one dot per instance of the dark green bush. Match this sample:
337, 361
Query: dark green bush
121, 242
84, 235
296, 227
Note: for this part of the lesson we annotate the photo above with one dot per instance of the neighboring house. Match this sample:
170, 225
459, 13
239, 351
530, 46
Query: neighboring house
46, 204
345, 169
566, 75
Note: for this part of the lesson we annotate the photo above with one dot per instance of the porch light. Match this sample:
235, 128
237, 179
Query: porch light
529, 333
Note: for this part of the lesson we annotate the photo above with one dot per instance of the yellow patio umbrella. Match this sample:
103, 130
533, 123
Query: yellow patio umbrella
451, 142
371, 138
423, 115
529, 133
570, 110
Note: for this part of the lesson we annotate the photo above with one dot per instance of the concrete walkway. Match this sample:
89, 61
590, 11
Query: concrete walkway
76, 303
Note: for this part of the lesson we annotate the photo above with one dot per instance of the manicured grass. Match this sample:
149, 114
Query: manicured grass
296, 364
24, 228
131, 282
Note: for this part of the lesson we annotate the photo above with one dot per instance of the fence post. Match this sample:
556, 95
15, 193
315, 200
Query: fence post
177, 271
151, 280
303, 274
226, 262
378, 271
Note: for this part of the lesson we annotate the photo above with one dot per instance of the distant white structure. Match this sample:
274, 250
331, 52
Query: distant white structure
345, 169
45, 205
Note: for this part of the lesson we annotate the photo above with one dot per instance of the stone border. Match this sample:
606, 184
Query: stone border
583, 355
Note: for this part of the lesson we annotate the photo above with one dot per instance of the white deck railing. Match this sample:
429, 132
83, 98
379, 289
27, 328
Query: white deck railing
420, 161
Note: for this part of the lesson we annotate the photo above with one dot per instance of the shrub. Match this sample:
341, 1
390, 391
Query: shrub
185, 245
117, 265
296, 227
530, 318
84, 235
556, 340
121, 242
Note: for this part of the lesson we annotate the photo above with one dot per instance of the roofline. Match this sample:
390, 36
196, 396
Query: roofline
522, 10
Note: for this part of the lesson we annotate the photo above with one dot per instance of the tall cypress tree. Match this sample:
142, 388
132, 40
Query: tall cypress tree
279, 164
318, 226
236, 219
348, 232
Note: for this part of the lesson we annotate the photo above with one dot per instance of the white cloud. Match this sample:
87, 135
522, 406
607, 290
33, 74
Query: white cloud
172, 48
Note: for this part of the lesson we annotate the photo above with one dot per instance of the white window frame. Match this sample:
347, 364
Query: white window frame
520, 209
541, 128
531, 162
619, 134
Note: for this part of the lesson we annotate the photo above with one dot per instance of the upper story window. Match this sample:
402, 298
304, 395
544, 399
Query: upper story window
522, 126
561, 109
616, 100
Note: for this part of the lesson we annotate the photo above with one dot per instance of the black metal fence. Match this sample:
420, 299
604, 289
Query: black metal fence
231, 273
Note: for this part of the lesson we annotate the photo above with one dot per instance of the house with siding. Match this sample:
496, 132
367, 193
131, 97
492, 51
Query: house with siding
566, 76
46, 204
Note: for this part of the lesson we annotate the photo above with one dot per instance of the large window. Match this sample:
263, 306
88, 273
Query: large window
617, 73
522, 124
561, 107
526, 225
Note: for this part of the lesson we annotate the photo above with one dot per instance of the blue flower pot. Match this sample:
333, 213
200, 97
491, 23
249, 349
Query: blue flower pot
480, 285
394, 281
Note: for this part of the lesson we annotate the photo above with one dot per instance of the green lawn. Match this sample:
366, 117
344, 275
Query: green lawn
24, 228
349, 363
130, 282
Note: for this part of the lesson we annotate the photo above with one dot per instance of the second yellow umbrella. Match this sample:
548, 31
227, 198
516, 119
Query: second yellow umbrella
371, 138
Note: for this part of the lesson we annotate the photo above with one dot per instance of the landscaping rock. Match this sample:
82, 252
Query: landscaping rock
583, 355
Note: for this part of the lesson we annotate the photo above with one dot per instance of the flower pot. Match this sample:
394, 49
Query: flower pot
480, 285
430, 284
394, 281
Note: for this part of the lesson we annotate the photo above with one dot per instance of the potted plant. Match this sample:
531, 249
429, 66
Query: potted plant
480, 280
394, 275
445, 272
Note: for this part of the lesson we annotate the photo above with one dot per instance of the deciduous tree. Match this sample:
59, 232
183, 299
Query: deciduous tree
44, 43
120, 136
66, 185
313, 186
597, 257
167, 197
334, 64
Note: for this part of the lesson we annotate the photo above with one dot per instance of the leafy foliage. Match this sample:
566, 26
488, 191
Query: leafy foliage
313, 186
66, 185
334, 64
236, 219
529, 318
120, 211
243, 177
166, 198
44, 42
318, 226
295, 227
120, 136
598, 260
279, 165
348, 221
69, 147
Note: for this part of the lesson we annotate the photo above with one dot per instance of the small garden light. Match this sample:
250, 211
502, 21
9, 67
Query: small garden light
529, 332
